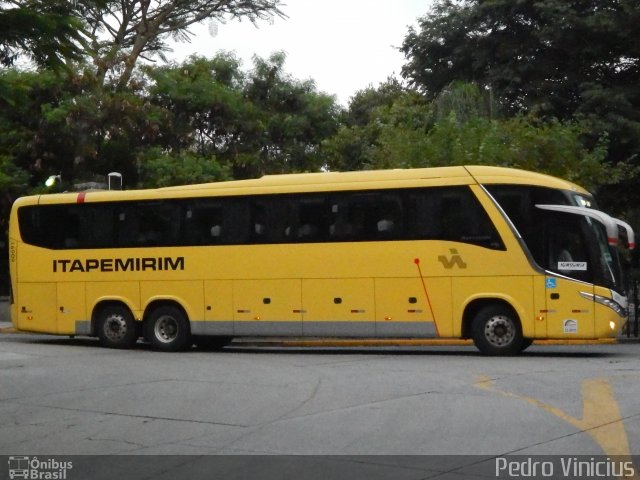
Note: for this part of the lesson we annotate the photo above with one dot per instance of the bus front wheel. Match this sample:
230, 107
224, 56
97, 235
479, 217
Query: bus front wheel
116, 327
167, 328
496, 331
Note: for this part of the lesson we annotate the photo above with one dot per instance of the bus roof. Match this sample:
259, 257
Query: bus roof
309, 182
486, 175
481, 174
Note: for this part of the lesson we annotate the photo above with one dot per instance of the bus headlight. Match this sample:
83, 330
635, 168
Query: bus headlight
607, 302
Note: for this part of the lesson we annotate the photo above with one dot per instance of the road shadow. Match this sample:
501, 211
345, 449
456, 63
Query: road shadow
240, 347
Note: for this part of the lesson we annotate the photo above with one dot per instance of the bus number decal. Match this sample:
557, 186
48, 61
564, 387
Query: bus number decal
582, 266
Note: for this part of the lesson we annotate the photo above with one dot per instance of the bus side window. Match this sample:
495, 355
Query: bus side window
453, 217
450, 213
363, 216
422, 209
465, 220
258, 222
236, 221
366, 217
161, 224
390, 217
204, 223
149, 224
308, 220
96, 226
62, 226
29, 224
270, 218
71, 230
127, 227
340, 228
67, 226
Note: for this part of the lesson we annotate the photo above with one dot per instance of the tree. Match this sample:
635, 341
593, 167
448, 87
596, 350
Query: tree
162, 169
534, 54
577, 61
459, 127
519, 142
256, 122
124, 31
64, 125
47, 31
205, 103
88, 126
354, 142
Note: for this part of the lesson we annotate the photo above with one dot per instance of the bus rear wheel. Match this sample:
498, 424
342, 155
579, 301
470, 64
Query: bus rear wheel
167, 328
496, 331
116, 327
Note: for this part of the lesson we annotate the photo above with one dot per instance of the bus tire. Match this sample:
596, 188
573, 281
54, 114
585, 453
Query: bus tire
211, 343
496, 330
167, 328
116, 327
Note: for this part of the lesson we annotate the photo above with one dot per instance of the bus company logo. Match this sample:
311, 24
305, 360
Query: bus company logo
37, 469
131, 264
455, 260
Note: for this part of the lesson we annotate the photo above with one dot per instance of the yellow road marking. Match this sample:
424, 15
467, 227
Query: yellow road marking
601, 417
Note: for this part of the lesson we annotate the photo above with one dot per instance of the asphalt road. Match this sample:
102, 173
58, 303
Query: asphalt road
68, 397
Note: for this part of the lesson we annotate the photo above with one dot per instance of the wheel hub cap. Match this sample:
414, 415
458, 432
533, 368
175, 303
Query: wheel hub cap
166, 329
499, 331
115, 327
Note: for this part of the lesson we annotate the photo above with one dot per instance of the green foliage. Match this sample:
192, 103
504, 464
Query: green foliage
352, 146
366, 101
574, 61
206, 118
521, 142
13, 179
256, 122
458, 127
23, 134
48, 32
535, 54
70, 127
159, 169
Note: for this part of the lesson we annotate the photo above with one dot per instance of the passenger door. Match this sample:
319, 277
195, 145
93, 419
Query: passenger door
570, 262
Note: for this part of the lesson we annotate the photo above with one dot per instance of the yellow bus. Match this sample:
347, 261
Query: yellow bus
499, 255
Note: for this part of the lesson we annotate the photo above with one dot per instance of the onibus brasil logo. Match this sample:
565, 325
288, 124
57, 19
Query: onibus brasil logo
33, 468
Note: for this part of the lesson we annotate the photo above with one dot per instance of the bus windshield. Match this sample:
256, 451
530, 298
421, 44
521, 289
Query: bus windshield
599, 234
563, 239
